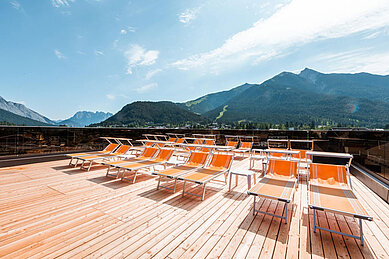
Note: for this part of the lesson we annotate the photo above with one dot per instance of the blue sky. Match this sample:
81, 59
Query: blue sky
61, 56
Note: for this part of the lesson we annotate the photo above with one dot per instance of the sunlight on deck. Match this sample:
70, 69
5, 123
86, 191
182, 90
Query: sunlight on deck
50, 209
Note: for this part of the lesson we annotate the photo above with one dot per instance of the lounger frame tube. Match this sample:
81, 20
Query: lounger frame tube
360, 237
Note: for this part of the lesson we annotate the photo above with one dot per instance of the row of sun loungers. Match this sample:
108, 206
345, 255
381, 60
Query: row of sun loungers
329, 185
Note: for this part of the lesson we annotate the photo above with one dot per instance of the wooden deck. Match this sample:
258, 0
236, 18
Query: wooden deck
51, 210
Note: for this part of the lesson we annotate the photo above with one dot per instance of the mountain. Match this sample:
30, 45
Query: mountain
359, 85
20, 109
211, 101
152, 113
349, 99
84, 118
7, 117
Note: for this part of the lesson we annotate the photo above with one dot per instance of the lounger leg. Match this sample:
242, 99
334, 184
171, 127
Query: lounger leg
82, 165
175, 184
90, 164
361, 231
108, 171
183, 189
202, 197
314, 220
286, 212
159, 182
254, 206
70, 162
230, 182
134, 177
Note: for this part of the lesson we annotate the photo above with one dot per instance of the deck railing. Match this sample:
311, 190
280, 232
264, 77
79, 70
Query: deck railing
370, 148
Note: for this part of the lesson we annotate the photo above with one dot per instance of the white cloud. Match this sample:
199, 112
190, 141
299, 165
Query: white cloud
188, 15
130, 28
99, 53
59, 54
372, 35
81, 52
111, 96
146, 88
295, 24
61, 3
15, 5
152, 73
123, 32
138, 56
360, 60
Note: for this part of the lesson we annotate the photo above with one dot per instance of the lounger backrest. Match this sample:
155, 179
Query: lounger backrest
246, 145
301, 155
148, 152
149, 144
221, 161
232, 144
275, 154
282, 167
196, 142
172, 139
122, 150
208, 142
180, 141
164, 154
330, 174
111, 147
197, 159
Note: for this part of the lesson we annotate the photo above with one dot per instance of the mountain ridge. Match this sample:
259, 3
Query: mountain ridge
22, 110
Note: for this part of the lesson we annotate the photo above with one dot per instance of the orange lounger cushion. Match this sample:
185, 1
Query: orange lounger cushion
195, 160
279, 181
148, 153
219, 164
111, 147
329, 190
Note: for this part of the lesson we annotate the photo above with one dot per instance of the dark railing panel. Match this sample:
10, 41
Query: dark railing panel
370, 148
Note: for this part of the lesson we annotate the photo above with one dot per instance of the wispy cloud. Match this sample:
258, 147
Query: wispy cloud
152, 73
295, 24
81, 52
61, 3
138, 56
59, 54
189, 15
99, 53
123, 31
15, 5
359, 60
111, 96
146, 88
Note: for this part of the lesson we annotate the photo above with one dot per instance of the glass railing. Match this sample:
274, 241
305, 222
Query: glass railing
370, 148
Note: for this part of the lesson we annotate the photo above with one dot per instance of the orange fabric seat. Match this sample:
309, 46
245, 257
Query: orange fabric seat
329, 190
219, 164
162, 158
147, 153
108, 149
279, 183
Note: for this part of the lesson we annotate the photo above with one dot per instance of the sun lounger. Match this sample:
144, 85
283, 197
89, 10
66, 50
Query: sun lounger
330, 190
233, 144
161, 158
279, 183
196, 160
108, 149
118, 154
220, 164
147, 154
245, 147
